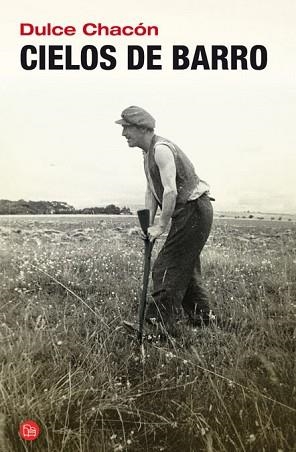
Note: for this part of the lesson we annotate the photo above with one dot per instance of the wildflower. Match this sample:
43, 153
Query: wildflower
118, 448
252, 438
211, 315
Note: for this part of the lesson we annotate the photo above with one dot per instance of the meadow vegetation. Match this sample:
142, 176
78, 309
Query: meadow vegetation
67, 362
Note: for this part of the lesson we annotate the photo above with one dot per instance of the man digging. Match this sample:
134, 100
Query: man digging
183, 197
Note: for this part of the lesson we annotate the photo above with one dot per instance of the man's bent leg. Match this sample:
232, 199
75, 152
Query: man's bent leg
175, 263
166, 309
195, 302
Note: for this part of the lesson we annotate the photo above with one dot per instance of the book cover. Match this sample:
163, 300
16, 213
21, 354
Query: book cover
219, 79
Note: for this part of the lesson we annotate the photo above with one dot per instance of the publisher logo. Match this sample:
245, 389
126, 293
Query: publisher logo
29, 430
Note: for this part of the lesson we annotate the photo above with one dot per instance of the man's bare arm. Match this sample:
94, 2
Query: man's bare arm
167, 168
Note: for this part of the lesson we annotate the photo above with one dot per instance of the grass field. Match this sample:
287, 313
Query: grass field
67, 363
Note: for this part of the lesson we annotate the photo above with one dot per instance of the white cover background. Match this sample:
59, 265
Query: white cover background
59, 140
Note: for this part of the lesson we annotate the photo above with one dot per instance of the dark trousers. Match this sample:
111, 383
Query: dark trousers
176, 274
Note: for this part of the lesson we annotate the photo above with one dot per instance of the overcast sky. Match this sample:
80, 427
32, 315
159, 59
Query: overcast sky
59, 140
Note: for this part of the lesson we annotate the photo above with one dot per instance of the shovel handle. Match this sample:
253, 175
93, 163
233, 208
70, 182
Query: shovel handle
143, 303
144, 220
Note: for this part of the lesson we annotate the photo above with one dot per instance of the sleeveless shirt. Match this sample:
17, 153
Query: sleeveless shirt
189, 185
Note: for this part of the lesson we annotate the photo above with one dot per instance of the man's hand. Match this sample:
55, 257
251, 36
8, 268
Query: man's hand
155, 231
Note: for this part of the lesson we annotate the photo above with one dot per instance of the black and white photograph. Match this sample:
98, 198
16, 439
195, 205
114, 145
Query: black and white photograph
148, 226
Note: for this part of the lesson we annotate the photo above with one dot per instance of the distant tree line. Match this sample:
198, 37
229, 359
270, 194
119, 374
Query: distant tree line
23, 207
110, 209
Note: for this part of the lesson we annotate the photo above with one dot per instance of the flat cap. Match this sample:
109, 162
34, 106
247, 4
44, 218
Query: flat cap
136, 116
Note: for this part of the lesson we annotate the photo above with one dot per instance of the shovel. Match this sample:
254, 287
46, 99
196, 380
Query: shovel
144, 219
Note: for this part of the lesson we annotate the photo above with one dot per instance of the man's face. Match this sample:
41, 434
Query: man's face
133, 135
